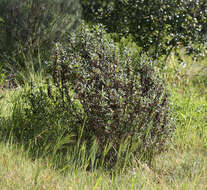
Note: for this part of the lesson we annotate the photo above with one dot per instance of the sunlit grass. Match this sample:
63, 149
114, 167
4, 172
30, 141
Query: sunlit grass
172, 170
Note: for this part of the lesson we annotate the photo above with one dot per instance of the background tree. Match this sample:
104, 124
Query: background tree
157, 26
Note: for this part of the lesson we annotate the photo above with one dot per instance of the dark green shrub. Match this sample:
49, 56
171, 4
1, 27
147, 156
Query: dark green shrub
32, 26
99, 94
120, 93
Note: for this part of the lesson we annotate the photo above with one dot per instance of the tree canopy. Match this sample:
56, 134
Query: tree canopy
158, 26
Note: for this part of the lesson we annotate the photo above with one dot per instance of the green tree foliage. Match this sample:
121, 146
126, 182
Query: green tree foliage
32, 26
158, 26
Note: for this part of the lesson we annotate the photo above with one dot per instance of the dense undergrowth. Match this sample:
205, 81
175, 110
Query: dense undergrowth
90, 110
104, 105
183, 166
55, 165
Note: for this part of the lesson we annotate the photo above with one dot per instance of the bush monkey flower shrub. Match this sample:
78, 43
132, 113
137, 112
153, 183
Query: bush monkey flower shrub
116, 95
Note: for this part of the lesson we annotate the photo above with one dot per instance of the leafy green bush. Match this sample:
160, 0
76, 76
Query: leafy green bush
38, 122
120, 93
32, 26
99, 94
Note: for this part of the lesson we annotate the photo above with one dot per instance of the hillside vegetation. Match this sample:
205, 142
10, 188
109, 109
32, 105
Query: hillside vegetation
182, 166
103, 94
